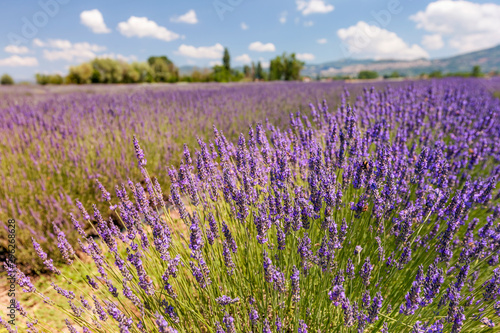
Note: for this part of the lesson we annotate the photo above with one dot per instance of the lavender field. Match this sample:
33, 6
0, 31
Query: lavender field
267, 207
57, 141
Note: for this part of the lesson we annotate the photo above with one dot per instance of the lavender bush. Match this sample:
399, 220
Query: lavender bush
380, 215
56, 140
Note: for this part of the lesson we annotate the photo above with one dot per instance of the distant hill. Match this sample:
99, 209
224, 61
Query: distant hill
488, 59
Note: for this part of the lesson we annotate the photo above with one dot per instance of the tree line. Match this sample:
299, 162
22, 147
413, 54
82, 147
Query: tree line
161, 69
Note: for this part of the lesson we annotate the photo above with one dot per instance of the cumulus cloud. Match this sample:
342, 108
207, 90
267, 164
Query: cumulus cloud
16, 49
264, 63
17, 61
61, 49
370, 41
283, 17
467, 26
322, 41
189, 18
305, 56
261, 47
57, 43
307, 7
38, 42
143, 27
202, 52
433, 42
93, 20
117, 56
244, 59
244, 26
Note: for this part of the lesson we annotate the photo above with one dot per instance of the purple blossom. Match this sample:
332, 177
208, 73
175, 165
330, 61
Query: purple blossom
366, 271
139, 153
302, 327
413, 299
226, 300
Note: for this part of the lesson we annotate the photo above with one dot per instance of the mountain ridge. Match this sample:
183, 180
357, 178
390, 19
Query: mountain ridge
488, 59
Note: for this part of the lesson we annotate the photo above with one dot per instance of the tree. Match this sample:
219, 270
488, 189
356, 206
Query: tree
143, 70
367, 75
163, 70
259, 73
436, 74
293, 66
476, 71
226, 60
285, 67
276, 69
44, 79
56, 79
80, 74
152, 59
247, 70
6, 80
220, 74
106, 70
393, 75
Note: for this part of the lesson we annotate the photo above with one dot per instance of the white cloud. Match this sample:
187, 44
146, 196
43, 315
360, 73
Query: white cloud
322, 41
93, 20
283, 17
58, 43
308, 7
143, 27
215, 63
308, 24
305, 56
189, 18
206, 52
16, 49
369, 41
17, 61
60, 49
38, 42
433, 42
467, 26
244, 58
260, 47
117, 56
244, 26
264, 63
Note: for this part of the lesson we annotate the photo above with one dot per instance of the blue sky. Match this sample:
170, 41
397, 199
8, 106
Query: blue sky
48, 36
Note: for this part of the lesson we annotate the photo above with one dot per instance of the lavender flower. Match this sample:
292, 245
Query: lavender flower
366, 271
105, 194
226, 300
302, 327
64, 246
49, 263
229, 323
413, 299
139, 153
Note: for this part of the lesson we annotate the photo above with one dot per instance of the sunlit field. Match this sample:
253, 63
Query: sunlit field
253, 207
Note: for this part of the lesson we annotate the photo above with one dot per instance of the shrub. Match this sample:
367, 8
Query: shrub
363, 75
6, 79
